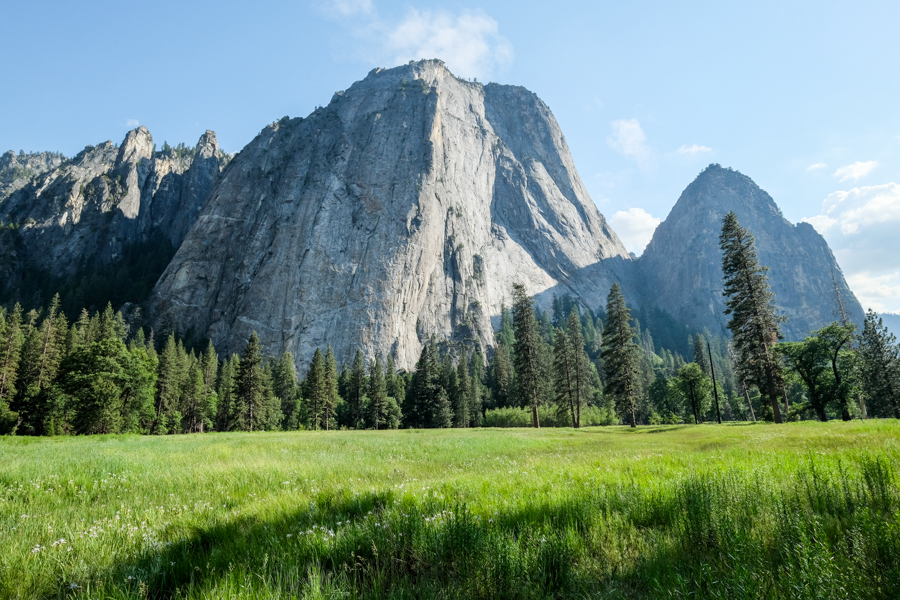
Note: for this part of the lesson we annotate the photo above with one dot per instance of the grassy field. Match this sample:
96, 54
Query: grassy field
803, 510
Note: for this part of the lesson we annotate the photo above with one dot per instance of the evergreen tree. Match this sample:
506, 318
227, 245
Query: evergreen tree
581, 364
879, 368
564, 377
695, 389
249, 388
11, 341
316, 390
193, 399
332, 397
619, 355
526, 351
476, 402
502, 379
41, 356
700, 356
424, 404
356, 390
287, 390
754, 324
378, 398
168, 387
463, 396
225, 393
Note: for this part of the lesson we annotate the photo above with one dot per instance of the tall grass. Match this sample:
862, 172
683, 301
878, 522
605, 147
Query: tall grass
798, 511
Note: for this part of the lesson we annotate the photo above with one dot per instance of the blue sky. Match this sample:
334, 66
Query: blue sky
800, 96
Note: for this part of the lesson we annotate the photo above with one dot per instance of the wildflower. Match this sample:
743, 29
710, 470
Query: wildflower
74, 586
290, 535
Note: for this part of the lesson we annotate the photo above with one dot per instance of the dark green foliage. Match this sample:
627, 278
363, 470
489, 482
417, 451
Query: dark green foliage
378, 398
316, 391
332, 398
695, 390
879, 368
356, 390
620, 355
249, 389
286, 388
754, 324
527, 352
11, 340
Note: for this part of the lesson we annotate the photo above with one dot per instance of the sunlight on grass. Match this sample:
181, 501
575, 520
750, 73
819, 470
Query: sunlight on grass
734, 511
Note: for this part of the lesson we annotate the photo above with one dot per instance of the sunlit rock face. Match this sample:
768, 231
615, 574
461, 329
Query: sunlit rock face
681, 268
406, 208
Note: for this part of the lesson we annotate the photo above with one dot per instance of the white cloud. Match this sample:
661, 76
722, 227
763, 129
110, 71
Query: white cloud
470, 43
878, 292
861, 225
856, 170
634, 227
695, 149
629, 140
132, 123
816, 167
347, 8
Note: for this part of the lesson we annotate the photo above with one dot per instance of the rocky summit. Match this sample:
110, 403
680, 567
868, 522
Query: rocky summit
109, 196
681, 268
404, 209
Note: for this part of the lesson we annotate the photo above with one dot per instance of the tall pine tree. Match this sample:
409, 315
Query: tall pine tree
879, 367
620, 355
526, 351
754, 325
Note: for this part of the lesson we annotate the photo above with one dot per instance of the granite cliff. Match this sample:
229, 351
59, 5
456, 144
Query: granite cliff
680, 271
406, 208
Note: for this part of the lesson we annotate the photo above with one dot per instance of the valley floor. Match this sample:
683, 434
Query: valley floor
805, 510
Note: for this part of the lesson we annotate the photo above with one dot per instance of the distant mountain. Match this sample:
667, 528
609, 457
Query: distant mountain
681, 268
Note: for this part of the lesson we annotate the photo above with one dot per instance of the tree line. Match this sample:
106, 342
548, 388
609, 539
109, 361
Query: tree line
101, 375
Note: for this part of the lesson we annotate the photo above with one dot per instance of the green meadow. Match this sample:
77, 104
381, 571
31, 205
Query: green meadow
803, 510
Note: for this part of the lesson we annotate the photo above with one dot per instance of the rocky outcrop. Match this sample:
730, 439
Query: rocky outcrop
18, 170
681, 268
406, 208
106, 197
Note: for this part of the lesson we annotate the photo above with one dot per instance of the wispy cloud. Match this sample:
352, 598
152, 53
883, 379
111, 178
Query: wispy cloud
629, 140
694, 149
469, 42
635, 228
816, 167
132, 123
346, 8
856, 170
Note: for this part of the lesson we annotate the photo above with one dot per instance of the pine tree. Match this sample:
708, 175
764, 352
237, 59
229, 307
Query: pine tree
225, 393
249, 388
461, 417
700, 356
879, 367
41, 355
356, 390
286, 388
564, 376
316, 390
192, 399
581, 363
423, 406
10, 350
168, 387
476, 401
378, 398
620, 355
754, 325
526, 357
502, 379
332, 398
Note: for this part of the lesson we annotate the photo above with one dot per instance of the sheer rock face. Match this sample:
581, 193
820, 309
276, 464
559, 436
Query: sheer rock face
105, 197
681, 268
404, 209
